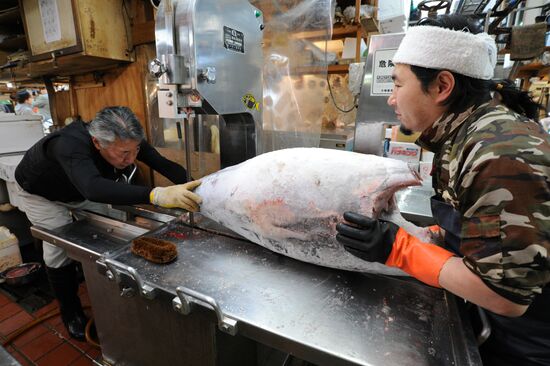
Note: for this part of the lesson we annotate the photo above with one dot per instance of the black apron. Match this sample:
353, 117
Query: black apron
521, 341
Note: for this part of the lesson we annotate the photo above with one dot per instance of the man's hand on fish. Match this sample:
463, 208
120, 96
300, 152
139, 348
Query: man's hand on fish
381, 241
366, 238
177, 196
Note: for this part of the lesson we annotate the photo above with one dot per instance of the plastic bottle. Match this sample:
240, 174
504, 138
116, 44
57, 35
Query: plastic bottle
387, 139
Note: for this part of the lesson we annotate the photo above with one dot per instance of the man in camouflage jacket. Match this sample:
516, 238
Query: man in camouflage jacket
493, 167
491, 178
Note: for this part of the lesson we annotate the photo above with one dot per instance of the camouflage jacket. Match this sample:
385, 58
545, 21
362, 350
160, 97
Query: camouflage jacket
493, 166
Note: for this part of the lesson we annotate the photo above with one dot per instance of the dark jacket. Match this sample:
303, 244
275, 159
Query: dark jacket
65, 166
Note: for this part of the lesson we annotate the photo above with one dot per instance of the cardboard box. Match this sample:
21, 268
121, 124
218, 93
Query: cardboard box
405, 151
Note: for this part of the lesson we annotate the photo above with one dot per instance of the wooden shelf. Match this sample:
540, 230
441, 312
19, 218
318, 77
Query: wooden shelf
533, 66
507, 50
14, 43
74, 64
331, 69
9, 17
349, 30
358, 30
338, 69
337, 32
11, 30
7, 4
525, 72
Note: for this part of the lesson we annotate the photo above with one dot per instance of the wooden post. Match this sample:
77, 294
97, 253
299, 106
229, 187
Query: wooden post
72, 97
358, 33
51, 99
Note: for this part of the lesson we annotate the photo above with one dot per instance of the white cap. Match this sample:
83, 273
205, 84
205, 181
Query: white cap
473, 55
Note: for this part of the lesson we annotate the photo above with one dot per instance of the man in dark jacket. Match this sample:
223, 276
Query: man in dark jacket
91, 162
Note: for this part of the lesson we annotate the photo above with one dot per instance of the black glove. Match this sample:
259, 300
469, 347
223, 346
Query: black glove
369, 239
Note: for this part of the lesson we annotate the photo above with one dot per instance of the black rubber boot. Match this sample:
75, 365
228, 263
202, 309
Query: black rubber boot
64, 283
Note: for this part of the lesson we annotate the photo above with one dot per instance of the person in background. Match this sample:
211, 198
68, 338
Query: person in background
492, 184
42, 104
24, 103
91, 162
6, 105
13, 102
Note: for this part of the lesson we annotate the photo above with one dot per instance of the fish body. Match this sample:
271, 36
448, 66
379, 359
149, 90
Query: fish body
289, 201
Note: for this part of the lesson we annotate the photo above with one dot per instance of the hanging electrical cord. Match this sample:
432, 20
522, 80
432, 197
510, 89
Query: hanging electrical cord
88, 334
334, 100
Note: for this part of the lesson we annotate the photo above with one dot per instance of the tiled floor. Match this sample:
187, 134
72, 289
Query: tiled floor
47, 343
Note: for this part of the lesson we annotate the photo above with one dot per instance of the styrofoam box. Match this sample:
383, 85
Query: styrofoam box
19, 133
9, 249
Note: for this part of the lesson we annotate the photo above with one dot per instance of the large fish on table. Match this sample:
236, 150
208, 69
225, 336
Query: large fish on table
289, 201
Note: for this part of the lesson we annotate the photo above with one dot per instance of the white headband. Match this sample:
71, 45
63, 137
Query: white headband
473, 55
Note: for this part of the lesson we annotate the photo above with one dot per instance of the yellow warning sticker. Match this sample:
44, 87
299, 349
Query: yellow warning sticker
250, 102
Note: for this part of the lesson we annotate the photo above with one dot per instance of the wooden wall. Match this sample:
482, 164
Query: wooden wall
121, 86
63, 105
3, 57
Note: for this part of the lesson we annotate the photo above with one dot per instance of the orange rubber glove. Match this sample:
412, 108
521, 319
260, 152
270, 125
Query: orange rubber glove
421, 260
384, 242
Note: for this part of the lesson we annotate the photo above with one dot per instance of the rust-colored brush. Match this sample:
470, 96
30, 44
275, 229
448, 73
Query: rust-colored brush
154, 250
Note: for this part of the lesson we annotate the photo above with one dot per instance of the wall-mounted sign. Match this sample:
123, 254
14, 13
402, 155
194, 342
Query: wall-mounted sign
382, 68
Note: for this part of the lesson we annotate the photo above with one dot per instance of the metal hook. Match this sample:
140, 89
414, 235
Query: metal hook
183, 303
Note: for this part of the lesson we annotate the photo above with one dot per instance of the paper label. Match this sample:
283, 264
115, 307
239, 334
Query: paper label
50, 20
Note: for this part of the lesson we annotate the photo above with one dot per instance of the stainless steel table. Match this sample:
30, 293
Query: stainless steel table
324, 316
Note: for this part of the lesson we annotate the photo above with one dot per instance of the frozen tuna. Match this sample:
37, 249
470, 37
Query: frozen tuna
289, 201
